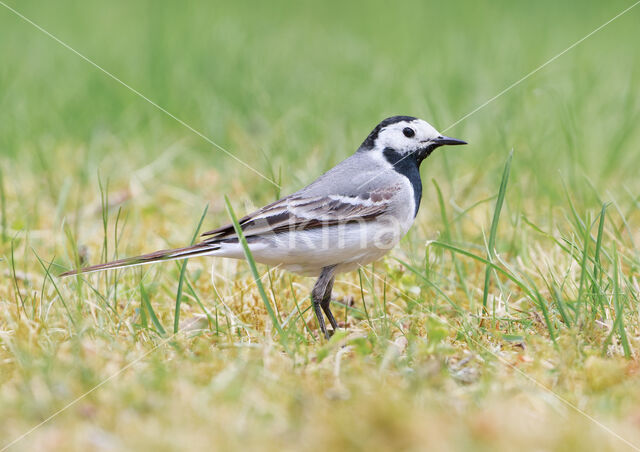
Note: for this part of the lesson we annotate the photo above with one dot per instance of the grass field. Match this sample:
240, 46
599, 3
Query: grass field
507, 319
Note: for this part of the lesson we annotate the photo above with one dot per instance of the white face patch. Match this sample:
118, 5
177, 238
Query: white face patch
406, 136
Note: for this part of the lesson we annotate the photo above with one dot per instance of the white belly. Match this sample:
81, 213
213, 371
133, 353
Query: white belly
307, 252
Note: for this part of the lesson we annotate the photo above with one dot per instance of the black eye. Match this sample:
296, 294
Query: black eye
408, 132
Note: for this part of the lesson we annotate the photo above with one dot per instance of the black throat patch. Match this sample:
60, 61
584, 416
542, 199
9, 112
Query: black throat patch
409, 167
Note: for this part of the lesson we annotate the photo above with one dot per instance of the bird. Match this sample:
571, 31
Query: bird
350, 216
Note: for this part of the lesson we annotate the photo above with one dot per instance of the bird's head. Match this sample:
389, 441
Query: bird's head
406, 137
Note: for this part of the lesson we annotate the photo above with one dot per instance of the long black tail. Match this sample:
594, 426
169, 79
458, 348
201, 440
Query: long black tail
157, 256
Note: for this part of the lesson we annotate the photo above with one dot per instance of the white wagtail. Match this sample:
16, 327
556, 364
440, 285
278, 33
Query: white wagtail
350, 216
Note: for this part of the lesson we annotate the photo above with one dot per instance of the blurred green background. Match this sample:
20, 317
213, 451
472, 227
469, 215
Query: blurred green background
296, 86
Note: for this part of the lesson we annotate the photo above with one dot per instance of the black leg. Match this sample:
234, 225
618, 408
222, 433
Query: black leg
326, 302
318, 295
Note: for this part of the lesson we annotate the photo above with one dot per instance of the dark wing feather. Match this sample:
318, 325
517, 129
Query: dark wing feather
301, 212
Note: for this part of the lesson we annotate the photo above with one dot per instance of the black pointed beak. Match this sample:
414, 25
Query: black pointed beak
448, 141
434, 143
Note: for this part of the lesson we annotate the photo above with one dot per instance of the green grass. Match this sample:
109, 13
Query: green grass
90, 171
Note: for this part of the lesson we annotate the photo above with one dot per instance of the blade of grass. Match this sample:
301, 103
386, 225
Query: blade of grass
596, 286
542, 305
63, 197
144, 322
273, 295
295, 300
562, 308
115, 257
562, 246
627, 227
256, 276
568, 247
364, 303
499, 269
183, 269
14, 278
494, 228
466, 210
384, 307
47, 270
583, 270
372, 289
574, 212
448, 237
431, 284
619, 306
104, 209
147, 305
194, 294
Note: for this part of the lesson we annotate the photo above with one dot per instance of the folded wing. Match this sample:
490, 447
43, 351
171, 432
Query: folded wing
299, 212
